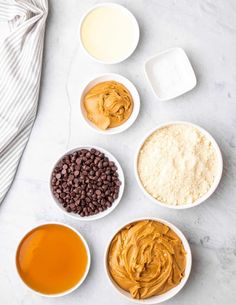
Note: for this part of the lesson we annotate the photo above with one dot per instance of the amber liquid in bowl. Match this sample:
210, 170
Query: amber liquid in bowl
51, 259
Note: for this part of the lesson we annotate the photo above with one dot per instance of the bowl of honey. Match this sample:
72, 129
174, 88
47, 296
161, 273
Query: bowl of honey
52, 259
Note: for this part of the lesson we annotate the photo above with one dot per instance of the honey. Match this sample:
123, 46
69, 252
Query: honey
51, 259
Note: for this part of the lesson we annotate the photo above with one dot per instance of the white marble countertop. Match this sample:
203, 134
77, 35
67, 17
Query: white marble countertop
206, 29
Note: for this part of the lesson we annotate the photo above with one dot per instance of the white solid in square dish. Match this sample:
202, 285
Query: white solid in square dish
170, 74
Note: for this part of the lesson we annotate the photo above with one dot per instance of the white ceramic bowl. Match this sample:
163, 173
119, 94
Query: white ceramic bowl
115, 203
132, 18
212, 188
133, 91
170, 74
169, 294
81, 280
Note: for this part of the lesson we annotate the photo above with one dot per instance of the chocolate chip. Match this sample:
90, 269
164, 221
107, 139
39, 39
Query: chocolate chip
58, 176
72, 206
85, 182
98, 192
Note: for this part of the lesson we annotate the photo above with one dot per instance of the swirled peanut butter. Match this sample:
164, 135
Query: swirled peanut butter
146, 258
108, 104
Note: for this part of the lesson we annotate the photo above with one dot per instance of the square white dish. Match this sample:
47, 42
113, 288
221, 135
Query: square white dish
170, 74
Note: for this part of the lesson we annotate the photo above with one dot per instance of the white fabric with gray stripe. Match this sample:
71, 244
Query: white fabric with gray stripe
20, 71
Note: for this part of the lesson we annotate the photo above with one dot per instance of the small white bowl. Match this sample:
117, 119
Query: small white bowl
132, 18
212, 188
133, 91
115, 203
167, 295
170, 74
85, 273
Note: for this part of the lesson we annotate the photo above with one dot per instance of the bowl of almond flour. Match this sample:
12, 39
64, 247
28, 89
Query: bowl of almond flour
178, 165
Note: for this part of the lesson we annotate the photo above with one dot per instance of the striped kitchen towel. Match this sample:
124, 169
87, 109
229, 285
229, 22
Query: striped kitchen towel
20, 71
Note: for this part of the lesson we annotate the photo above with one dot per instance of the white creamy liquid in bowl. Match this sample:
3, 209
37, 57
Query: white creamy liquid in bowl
109, 33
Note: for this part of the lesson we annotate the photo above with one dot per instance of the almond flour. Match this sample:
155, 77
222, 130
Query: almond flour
177, 164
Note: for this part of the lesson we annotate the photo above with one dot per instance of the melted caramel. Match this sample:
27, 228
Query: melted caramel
51, 259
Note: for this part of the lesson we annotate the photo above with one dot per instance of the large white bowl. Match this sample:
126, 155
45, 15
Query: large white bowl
115, 203
212, 188
85, 273
133, 91
167, 295
128, 13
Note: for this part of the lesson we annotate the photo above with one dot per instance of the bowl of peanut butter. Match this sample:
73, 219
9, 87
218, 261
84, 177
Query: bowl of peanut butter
148, 260
109, 103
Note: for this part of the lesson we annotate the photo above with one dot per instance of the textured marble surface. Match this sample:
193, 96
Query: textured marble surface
206, 29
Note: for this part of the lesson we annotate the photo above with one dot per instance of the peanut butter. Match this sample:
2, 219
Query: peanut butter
108, 104
146, 258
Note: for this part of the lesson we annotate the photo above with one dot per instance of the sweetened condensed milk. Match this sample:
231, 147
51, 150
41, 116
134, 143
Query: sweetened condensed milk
109, 33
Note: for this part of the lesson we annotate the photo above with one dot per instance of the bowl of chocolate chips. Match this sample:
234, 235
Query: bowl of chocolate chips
87, 183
